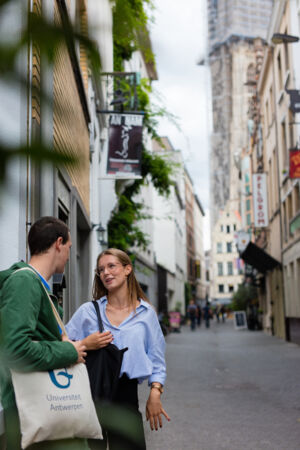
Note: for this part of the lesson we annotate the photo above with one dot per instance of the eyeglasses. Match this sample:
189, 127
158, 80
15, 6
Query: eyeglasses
112, 268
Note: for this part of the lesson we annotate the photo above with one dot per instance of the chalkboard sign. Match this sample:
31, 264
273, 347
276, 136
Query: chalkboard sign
240, 320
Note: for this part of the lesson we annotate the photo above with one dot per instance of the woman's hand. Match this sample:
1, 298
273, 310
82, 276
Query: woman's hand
154, 410
97, 340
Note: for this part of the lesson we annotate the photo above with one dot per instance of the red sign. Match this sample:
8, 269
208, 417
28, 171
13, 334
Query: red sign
294, 163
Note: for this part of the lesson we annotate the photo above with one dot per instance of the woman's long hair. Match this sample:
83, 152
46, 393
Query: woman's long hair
134, 289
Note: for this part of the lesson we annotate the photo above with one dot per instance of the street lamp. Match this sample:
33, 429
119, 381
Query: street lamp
100, 232
281, 38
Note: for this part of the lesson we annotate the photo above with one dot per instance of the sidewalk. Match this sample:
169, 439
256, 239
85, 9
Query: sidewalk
228, 389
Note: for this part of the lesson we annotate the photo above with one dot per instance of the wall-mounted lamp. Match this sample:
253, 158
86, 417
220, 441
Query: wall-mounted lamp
100, 231
281, 38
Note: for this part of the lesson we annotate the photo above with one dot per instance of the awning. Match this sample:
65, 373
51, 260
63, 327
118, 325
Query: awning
258, 258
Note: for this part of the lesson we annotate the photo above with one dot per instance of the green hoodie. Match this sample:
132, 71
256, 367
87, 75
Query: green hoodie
29, 337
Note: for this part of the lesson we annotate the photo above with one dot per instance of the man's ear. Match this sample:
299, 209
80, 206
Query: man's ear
58, 243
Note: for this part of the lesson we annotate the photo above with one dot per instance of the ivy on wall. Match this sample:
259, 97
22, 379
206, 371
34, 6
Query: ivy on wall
129, 26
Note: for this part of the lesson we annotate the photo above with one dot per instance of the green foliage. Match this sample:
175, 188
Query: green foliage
243, 297
129, 21
178, 306
187, 293
130, 33
123, 231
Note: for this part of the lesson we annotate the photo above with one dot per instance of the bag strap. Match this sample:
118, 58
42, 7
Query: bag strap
100, 323
55, 312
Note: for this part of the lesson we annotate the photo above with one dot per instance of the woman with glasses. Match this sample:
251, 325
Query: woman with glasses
129, 321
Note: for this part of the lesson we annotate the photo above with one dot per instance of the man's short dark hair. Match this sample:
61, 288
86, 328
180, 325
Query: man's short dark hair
44, 232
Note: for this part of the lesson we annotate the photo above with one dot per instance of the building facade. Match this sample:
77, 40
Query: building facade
225, 266
170, 234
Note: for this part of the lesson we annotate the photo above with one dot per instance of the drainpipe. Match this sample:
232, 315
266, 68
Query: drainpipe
279, 191
29, 134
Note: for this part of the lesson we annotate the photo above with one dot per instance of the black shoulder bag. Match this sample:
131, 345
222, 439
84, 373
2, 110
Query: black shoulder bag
104, 366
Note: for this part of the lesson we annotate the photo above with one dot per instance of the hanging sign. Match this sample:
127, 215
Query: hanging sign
241, 239
125, 144
294, 100
295, 163
260, 201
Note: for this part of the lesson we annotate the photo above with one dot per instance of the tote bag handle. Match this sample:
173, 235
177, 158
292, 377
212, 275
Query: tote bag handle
100, 323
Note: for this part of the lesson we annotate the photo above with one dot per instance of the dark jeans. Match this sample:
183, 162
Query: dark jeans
193, 322
121, 421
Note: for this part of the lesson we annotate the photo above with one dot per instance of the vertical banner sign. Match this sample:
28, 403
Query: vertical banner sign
294, 163
125, 144
260, 201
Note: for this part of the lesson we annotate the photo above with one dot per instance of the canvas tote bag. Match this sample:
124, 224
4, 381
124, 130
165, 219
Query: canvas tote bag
55, 404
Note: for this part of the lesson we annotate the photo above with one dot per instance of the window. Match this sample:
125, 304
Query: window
279, 68
219, 247
234, 227
248, 219
221, 228
248, 205
191, 267
284, 222
220, 269
283, 143
286, 53
227, 228
291, 129
229, 247
297, 198
230, 288
198, 268
229, 268
221, 288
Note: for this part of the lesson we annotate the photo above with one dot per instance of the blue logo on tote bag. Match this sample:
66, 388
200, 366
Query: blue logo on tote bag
64, 380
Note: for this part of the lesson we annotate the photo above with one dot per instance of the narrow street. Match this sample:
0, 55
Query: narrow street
228, 389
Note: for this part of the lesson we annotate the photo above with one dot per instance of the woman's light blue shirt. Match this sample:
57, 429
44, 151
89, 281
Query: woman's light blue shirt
140, 332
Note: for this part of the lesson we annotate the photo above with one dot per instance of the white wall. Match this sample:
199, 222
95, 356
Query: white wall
13, 132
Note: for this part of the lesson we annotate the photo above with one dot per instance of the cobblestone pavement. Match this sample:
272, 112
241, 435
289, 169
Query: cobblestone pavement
228, 389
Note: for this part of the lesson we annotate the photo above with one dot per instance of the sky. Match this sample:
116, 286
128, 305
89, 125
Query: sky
178, 38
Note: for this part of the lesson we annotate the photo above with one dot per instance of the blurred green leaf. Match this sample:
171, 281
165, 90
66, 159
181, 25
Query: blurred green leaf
39, 153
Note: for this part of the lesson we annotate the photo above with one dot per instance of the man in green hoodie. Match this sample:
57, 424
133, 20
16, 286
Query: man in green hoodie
30, 338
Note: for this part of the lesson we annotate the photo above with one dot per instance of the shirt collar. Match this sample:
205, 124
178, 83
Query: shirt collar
143, 303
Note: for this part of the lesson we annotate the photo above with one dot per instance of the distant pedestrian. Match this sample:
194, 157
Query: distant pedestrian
199, 315
223, 313
218, 312
207, 314
192, 314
